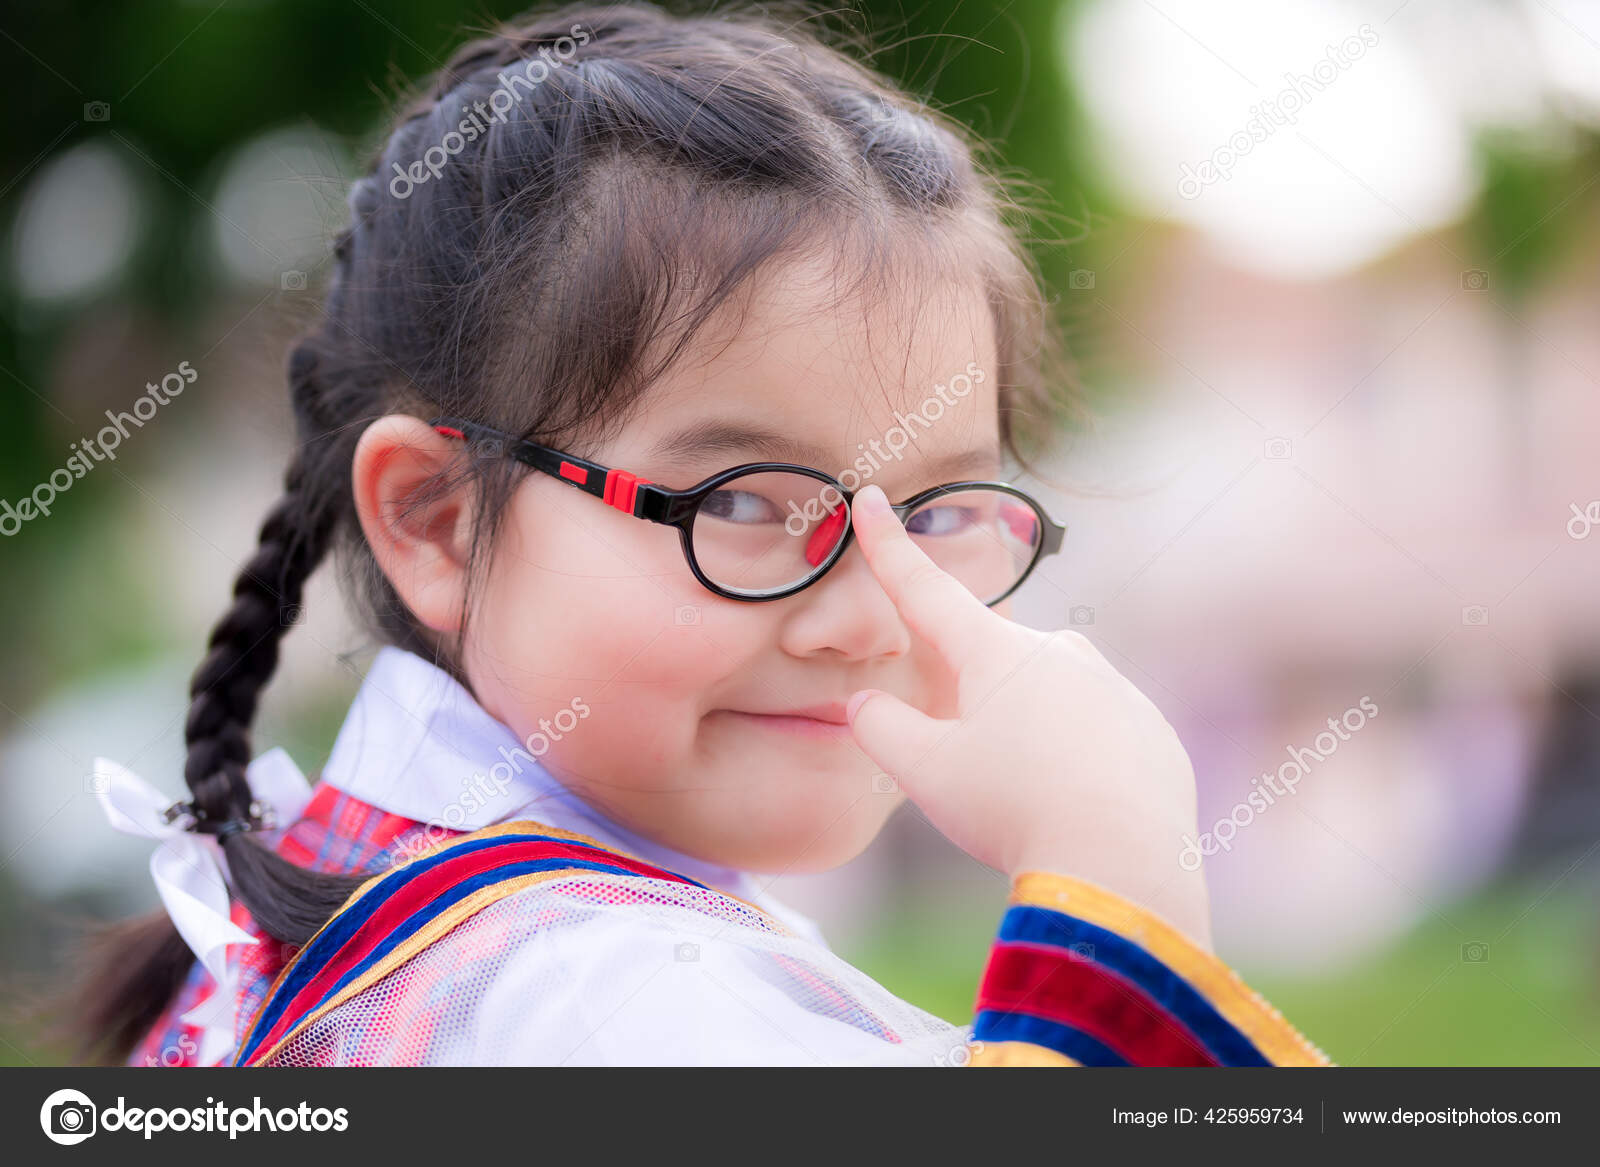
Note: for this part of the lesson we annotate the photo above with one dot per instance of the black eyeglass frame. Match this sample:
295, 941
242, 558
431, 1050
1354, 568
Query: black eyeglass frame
654, 503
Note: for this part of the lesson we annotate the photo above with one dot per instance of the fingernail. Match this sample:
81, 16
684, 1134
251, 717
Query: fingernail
857, 701
871, 500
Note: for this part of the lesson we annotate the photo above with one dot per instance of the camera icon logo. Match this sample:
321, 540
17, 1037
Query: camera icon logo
1474, 952
958, 1055
1081, 614
97, 111
1475, 616
1081, 280
1277, 449
1474, 280
68, 1117
685, 953
292, 281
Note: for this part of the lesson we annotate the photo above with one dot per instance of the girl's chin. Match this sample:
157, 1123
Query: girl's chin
797, 830
831, 847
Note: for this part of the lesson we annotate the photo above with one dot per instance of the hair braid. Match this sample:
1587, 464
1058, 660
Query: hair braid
243, 652
288, 902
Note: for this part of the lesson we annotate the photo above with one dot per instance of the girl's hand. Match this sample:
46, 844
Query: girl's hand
1055, 761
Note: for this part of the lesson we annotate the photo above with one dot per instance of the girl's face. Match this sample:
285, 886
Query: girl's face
716, 726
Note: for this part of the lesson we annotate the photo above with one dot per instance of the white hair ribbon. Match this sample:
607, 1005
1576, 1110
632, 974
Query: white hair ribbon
190, 874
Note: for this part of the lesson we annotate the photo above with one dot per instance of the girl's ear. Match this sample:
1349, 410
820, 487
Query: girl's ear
417, 515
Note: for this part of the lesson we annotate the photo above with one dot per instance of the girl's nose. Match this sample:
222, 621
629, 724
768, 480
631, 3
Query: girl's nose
846, 612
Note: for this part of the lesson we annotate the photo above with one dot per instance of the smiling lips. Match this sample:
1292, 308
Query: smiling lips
816, 721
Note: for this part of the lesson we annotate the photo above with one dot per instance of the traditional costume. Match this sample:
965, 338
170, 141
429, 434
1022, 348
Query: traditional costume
507, 922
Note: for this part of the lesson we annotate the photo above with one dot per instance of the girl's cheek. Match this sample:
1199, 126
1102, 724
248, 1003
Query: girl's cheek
621, 622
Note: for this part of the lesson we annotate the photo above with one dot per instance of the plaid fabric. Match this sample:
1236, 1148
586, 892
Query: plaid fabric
339, 834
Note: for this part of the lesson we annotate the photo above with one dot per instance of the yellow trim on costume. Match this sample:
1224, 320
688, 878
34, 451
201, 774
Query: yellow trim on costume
1001, 1054
1278, 1041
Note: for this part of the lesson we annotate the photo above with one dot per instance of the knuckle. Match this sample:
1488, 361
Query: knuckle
1069, 639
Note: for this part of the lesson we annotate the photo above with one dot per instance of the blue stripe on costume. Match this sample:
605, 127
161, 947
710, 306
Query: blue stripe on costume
991, 1025
1027, 924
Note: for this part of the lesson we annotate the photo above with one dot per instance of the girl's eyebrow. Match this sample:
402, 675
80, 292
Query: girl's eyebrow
721, 437
731, 438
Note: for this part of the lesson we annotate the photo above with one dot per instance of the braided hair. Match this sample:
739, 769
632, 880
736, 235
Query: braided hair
543, 233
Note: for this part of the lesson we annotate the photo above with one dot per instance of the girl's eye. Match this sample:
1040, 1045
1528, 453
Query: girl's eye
739, 506
945, 520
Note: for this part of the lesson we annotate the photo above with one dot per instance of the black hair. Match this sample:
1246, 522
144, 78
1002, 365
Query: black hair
617, 173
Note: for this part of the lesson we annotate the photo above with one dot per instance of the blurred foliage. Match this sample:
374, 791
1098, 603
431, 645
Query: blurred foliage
1505, 979
186, 85
1516, 220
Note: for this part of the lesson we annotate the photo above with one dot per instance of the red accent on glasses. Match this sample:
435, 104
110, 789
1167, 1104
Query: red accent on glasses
826, 536
621, 487
450, 432
576, 473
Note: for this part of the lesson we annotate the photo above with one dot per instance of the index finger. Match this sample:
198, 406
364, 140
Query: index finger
938, 607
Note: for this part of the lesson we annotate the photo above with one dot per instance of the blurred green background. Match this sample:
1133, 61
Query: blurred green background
1381, 322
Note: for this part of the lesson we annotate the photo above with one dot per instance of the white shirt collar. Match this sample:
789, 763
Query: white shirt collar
417, 744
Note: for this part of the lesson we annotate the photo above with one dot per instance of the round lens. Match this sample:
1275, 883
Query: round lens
765, 532
986, 538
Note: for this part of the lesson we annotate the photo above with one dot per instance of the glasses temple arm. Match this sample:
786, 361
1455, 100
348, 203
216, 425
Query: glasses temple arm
1054, 532
615, 488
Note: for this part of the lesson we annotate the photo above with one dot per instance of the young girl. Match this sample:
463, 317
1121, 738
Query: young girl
621, 272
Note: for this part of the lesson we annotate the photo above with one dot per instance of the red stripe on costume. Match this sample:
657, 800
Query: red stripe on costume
1056, 984
422, 890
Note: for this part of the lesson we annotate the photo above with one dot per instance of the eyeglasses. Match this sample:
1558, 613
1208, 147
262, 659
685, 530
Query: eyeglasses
766, 530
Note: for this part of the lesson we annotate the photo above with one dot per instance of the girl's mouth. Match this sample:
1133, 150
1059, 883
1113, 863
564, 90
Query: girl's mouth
819, 723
